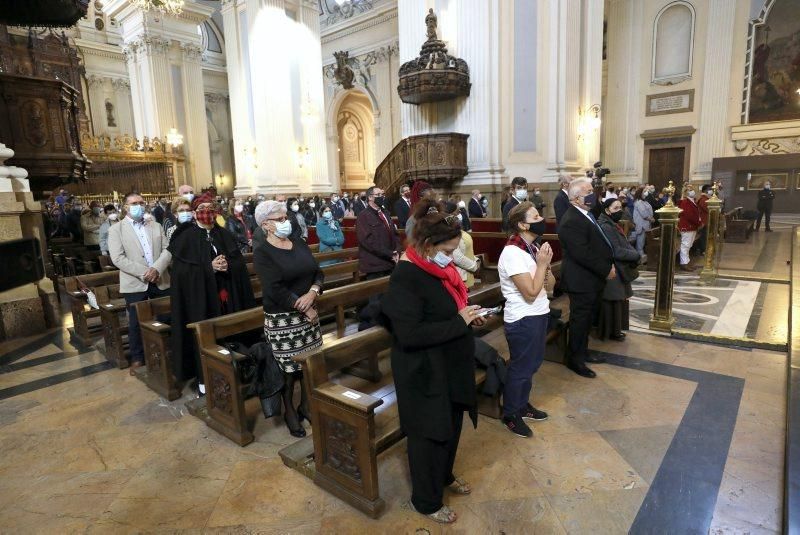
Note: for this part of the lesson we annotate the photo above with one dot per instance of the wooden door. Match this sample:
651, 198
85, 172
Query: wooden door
665, 165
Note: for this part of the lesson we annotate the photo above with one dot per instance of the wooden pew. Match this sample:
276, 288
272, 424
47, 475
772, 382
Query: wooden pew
737, 230
348, 434
224, 403
85, 330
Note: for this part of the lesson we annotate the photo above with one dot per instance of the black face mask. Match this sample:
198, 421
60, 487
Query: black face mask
363, 197
538, 228
616, 216
379, 200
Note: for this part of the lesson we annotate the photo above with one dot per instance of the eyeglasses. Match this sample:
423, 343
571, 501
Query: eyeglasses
277, 219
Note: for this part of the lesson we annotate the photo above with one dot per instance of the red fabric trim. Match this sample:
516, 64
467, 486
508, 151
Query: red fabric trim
449, 276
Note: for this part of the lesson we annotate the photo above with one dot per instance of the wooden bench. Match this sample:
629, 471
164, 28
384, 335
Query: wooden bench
349, 433
84, 329
737, 230
223, 408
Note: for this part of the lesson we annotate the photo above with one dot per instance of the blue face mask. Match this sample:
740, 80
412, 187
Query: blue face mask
184, 217
589, 201
136, 211
327, 215
282, 230
441, 259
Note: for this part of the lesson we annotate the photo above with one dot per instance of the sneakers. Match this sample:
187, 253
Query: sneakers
517, 426
532, 413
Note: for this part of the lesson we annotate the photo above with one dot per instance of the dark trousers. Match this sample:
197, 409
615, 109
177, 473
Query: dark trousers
431, 465
582, 307
367, 315
134, 333
526, 344
761, 214
700, 242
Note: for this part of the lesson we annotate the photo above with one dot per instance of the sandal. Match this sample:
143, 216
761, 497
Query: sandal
445, 515
459, 486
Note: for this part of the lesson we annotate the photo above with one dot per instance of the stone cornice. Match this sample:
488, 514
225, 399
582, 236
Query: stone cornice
100, 49
372, 18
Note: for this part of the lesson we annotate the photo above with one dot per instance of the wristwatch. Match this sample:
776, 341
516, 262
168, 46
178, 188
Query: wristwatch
315, 290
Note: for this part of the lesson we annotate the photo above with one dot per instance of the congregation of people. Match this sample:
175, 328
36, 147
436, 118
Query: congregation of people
192, 248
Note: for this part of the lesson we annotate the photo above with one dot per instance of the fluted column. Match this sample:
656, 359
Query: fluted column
622, 145
313, 100
149, 66
592, 77
196, 135
122, 98
711, 135
570, 91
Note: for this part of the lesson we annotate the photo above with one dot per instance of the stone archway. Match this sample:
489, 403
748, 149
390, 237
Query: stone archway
355, 135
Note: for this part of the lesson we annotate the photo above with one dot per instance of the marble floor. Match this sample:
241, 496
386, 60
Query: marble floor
672, 437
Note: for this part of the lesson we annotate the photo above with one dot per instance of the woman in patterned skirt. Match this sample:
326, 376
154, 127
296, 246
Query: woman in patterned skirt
291, 281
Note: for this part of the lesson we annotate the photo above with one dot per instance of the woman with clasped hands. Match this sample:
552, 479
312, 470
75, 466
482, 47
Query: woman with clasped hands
291, 281
433, 359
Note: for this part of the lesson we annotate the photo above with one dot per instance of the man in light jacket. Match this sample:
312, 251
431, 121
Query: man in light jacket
139, 249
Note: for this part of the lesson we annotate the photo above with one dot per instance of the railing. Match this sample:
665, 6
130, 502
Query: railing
791, 495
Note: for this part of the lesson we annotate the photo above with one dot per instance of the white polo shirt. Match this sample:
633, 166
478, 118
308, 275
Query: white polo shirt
515, 261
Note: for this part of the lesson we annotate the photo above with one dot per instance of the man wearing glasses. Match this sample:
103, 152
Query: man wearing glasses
139, 249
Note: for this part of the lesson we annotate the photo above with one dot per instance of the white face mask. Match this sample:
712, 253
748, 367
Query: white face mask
188, 196
691, 194
295, 207
312, 205
113, 216
521, 194
282, 230
238, 208
537, 192
441, 259
462, 204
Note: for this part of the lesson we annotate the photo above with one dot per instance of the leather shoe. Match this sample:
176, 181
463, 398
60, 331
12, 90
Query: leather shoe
594, 360
620, 337
582, 370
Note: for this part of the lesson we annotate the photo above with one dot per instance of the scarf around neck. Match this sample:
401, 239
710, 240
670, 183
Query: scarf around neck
450, 278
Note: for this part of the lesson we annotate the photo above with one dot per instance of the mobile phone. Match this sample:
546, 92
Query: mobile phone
490, 311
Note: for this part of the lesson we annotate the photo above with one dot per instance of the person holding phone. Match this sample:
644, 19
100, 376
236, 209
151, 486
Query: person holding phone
523, 268
209, 279
433, 359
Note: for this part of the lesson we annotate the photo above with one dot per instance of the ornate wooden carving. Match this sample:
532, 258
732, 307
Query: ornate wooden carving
341, 453
39, 118
437, 158
220, 392
62, 13
434, 75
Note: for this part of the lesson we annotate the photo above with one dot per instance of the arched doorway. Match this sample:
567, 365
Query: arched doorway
355, 130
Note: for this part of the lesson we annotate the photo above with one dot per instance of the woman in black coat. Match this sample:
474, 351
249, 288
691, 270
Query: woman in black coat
209, 279
433, 359
613, 315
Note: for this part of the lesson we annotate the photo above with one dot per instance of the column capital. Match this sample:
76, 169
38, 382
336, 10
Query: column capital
145, 44
121, 84
94, 81
191, 52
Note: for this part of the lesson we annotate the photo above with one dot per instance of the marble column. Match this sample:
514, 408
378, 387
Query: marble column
122, 94
711, 137
622, 146
196, 136
592, 77
414, 120
97, 108
150, 67
313, 98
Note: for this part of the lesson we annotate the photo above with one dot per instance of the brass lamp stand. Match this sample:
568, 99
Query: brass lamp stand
662, 318
709, 271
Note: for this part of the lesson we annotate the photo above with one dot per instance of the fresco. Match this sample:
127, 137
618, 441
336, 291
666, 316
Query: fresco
775, 83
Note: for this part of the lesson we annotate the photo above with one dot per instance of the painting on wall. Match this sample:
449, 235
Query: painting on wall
756, 181
775, 79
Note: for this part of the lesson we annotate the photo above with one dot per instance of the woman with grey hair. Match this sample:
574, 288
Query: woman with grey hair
291, 281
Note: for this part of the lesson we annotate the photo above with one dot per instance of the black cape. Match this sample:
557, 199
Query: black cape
195, 290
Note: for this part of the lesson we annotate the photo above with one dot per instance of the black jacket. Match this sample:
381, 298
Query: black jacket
376, 243
433, 353
195, 290
401, 210
235, 227
560, 205
358, 206
507, 207
475, 208
765, 198
586, 256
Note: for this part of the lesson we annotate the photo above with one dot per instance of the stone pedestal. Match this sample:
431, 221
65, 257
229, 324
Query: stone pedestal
31, 308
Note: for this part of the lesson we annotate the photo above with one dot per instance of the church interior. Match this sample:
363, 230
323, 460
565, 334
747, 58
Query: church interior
688, 420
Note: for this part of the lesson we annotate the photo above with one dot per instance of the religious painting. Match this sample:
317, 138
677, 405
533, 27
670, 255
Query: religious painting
775, 79
756, 181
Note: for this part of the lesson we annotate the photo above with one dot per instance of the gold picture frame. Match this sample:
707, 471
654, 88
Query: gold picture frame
778, 181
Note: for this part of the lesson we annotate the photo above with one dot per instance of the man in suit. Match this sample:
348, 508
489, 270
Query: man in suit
377, 239
475, 208
561, 202
337, 207
765, 199
519, 194
403, 206
586, 264
139, 249
360, 203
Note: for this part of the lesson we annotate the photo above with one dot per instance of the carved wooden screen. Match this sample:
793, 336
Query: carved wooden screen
125, 176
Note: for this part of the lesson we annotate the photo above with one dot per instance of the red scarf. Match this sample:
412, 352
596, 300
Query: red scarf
449, 276
517, 241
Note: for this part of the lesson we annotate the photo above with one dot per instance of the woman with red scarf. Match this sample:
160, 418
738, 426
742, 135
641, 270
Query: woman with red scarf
433, 359
210, 279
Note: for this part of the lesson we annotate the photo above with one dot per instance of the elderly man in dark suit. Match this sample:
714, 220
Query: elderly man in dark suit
403, 206
475, 208
561, 202
587, 262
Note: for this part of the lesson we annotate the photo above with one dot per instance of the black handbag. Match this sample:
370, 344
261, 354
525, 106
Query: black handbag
628, 271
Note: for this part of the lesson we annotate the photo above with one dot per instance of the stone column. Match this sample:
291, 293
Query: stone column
622, 145
122, 94
591, 77
196, 136
712, 135
154, 109
313, 98
97, 103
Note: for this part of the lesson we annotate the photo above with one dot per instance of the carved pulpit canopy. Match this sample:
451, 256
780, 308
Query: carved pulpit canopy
434, 75
49, 13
